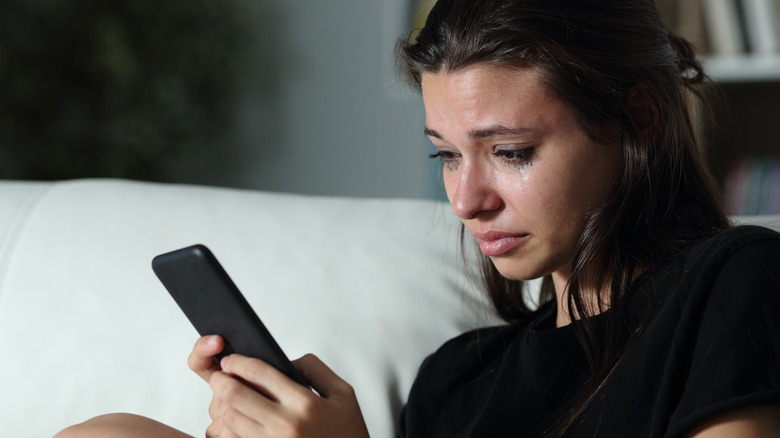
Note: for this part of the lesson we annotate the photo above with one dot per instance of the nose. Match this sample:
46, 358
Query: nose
475, 193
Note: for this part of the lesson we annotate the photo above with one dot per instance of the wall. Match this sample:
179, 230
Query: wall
326, 113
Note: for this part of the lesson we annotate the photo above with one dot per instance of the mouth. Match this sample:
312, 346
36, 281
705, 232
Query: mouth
496, 244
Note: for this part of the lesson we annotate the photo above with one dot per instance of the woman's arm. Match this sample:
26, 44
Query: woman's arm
750, 422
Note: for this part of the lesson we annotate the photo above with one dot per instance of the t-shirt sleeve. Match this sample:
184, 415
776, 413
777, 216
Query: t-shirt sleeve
735, 358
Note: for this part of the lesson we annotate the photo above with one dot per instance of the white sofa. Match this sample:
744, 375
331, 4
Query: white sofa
370, 286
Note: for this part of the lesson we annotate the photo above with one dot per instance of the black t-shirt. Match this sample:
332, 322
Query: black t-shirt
712, 347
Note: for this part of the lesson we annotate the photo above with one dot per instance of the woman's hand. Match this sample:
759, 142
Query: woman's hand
254, 399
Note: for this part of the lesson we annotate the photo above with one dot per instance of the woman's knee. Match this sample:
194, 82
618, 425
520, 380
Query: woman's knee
120, 426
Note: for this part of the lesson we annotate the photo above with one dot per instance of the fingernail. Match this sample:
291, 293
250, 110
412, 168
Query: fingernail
223, 362
211, 341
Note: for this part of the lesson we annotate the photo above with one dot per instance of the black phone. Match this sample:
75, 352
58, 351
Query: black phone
215, 306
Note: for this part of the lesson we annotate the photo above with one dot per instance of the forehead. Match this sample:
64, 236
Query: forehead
487, 95
484, 78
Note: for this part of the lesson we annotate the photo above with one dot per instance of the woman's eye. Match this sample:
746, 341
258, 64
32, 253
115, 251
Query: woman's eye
515, 156
446, 158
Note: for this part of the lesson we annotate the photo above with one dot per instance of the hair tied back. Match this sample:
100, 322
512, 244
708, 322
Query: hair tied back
689, 65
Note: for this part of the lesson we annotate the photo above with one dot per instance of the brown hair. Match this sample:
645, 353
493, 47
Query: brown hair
614, 63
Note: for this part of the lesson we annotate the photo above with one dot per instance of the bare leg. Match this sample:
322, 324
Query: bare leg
121, 426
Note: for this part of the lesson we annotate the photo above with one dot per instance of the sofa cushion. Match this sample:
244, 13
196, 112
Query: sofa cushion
371, 286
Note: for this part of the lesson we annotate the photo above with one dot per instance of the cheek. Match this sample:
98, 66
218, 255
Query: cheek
567, 199
551, 204
539, 191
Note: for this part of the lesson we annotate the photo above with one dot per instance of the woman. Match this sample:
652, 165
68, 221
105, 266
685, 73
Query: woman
565, 133
569, 152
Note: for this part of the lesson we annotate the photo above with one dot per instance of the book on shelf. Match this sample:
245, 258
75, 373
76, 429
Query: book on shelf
753, 187
759, 21
726, 28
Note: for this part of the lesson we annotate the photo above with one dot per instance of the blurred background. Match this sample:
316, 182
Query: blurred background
302, 96
294, 96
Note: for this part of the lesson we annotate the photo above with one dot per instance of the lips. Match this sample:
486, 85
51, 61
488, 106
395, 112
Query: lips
495, 244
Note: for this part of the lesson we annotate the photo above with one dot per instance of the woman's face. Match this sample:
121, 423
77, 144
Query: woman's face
518, 169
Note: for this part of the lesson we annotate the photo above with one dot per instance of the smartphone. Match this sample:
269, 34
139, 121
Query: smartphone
215, 306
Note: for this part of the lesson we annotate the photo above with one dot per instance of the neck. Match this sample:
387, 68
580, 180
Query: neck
563, 317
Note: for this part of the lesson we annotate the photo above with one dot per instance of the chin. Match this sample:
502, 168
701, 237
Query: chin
512, 270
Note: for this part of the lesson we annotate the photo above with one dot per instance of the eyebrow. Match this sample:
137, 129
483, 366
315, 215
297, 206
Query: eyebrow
489, 132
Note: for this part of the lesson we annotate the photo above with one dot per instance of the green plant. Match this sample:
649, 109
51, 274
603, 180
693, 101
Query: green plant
120, 88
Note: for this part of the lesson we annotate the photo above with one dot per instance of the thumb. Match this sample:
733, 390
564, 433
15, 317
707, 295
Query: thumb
201, 359
321, 378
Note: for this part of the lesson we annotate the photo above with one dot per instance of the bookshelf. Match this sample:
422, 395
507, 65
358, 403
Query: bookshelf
740, 41
745, 149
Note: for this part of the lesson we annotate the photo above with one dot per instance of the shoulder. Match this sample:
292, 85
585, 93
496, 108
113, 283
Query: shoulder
727, 326
730, 278
747, 249
712, 345
735, 258
741, 258
741, 241
741, 270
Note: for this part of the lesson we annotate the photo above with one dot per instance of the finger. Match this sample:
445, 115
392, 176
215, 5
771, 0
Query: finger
216, 430
326, 382
264, 377
216, 407
235, 423
202, 358
236, 395
213, 430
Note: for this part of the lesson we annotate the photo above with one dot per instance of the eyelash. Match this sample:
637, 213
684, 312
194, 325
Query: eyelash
516, 157
443, 156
